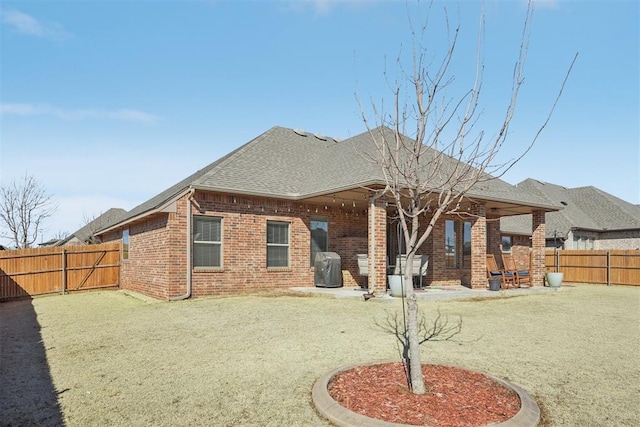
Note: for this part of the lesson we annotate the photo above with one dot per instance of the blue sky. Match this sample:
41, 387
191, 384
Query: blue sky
108, 103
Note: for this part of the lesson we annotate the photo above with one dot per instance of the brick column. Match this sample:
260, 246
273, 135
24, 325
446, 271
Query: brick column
495, 239
377, 232
479, 246
538, 248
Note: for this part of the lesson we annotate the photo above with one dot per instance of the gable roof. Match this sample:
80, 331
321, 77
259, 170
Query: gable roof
585, 208
88, 231
295, 165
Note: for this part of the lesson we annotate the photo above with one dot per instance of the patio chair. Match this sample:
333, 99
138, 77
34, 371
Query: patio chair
363, 269
419, 268
494, 272
522, 276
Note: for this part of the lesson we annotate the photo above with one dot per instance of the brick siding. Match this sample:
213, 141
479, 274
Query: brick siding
158, 247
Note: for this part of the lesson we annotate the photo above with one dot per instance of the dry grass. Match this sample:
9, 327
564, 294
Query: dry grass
106, 358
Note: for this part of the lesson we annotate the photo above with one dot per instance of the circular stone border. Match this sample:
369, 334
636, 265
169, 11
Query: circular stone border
528, 415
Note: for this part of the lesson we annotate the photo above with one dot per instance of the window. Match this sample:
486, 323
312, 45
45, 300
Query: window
277, 244
507, 243
319, 236
207, 241
450, 242
125, 244
584, 242
466, 244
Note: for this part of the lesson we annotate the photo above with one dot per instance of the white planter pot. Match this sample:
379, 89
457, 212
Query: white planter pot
554, 280
396, 285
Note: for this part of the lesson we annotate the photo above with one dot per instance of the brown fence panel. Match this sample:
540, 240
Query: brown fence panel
625, 267
615, 267
92, 268
46, 270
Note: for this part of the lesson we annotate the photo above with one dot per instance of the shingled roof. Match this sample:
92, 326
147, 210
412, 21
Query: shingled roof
295, 165
585, 208
87, 232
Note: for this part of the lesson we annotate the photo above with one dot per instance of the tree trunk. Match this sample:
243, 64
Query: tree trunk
415, 363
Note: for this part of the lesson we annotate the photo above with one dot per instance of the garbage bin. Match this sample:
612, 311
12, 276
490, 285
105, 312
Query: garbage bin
495, 284
327, 270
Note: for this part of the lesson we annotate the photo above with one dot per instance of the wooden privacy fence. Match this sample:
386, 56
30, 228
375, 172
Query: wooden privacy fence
38, 271
614, 267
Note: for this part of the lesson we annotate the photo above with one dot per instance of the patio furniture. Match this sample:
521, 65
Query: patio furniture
494, 272
419, 268
363, 269
522, 276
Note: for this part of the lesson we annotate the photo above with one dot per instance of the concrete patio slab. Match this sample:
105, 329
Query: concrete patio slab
429, 293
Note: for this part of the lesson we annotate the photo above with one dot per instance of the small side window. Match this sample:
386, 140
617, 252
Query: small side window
125, 244
451, 243
507, 243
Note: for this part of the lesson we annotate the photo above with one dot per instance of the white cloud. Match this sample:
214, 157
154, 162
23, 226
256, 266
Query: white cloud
28, 25
123, 114
17, 109
323, 7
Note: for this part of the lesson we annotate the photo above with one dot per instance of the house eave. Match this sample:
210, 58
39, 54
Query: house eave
287, 196
605, 230
158, 209
535, 206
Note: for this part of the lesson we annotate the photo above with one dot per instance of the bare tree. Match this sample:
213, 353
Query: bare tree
429, 173
24, 206
61, 235
438, 329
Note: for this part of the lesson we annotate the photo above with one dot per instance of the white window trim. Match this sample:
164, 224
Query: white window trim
287, 245
209, 242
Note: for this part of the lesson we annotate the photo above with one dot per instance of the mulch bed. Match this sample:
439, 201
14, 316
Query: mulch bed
455, 397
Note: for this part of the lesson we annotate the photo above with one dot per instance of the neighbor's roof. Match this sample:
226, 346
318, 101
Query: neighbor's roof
292, 164
107, 219
585, 208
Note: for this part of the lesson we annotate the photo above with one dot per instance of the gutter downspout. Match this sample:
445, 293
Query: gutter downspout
189, 260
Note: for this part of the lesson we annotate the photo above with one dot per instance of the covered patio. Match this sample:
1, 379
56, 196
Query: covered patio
456, 248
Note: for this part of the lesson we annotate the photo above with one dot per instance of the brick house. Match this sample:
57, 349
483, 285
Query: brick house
590, 219
255, 219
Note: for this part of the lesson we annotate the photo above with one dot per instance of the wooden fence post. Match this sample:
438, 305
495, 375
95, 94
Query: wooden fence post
64, 271
608, 268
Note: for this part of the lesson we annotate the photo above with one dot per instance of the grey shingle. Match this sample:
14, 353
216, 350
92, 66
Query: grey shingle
284, 163
586, 208
87, 232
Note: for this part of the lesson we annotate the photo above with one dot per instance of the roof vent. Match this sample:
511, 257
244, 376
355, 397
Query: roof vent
300, 132
320, 137
563, 203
